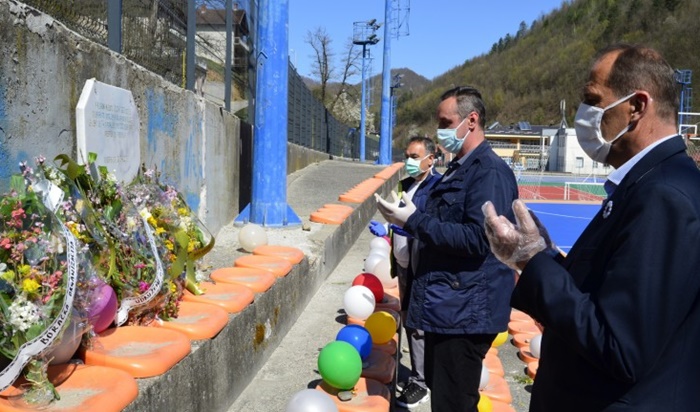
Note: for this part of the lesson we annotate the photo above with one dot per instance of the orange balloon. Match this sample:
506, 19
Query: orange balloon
381, 326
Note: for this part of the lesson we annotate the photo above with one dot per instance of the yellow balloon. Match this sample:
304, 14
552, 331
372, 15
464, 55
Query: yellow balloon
500, 339
381, 326
484, 404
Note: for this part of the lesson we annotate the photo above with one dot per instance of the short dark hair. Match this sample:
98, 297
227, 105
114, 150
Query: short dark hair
642, 68
425, 141
468, 100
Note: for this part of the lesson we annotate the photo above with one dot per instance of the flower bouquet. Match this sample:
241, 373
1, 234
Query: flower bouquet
39, 275
184, 236
125, 249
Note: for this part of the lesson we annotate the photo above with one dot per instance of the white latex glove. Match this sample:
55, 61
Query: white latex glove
392, 212
516, 244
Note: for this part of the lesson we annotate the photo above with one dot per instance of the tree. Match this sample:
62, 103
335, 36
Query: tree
322, 67
326, 70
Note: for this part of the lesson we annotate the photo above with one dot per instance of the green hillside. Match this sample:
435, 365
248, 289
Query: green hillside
527, 74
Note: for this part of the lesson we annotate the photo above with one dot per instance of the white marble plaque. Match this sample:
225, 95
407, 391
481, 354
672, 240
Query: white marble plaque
108, 124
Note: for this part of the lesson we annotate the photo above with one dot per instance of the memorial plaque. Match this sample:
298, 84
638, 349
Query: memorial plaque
108, 124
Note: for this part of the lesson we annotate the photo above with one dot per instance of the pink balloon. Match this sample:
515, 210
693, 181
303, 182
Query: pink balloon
103, 307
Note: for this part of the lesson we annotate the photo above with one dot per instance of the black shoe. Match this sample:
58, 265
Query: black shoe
412, 396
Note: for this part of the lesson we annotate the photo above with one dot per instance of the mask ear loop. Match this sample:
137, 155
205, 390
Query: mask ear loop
610, 106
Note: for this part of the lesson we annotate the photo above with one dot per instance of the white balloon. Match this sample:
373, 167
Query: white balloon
311, 400
371, 261
536, 345
484, 377
382, 270
252, 236
359, 302
379, 243
380, 252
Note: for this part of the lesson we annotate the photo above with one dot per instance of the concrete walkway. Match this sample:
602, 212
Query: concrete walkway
292, 366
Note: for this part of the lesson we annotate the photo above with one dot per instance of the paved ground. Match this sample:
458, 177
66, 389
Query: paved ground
293, 365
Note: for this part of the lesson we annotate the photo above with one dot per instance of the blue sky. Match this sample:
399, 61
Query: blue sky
442, 33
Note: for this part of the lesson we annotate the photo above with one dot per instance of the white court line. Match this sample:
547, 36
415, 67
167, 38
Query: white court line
559, 215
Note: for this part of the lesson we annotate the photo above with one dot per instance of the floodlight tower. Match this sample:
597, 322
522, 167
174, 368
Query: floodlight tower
683, 77
396, 25
363, 33
395, 84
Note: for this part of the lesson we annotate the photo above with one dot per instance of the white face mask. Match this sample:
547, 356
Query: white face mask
448, 138
588, 133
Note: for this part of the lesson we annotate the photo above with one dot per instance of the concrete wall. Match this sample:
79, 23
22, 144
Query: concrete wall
192, 142
298, 157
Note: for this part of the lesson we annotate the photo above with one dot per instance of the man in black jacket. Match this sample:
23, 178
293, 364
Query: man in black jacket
621, 313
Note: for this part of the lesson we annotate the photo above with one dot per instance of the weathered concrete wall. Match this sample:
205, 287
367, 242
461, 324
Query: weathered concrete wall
192, 142
298, 157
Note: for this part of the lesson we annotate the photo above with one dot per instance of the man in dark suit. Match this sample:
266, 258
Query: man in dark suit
621, 313
460, 292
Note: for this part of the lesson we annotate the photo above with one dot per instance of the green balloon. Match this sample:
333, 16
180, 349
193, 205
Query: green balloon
340, 365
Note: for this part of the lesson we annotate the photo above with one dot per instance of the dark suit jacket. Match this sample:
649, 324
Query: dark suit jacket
459, 287
622, 311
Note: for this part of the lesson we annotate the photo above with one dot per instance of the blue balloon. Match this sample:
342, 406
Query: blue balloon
358, 337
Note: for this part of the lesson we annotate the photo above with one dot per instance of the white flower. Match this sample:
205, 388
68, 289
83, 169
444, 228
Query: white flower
130, 223
145, 213
23, 314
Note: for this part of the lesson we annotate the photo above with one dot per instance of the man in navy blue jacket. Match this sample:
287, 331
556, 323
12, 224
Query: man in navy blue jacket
621, 312
460, 291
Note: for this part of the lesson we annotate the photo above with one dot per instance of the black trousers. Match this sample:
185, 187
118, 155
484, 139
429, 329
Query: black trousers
453, 370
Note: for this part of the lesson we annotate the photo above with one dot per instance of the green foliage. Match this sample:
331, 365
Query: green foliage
526, 75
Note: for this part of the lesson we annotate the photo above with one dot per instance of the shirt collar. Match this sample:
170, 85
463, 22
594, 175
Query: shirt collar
617, 175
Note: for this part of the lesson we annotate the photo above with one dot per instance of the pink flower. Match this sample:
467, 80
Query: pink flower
19, 213
140, 265
143, 286
6, 243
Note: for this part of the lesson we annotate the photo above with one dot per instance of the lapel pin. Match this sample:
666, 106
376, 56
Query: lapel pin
607, 209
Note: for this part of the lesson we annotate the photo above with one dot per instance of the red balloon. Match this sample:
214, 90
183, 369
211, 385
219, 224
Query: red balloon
372, 283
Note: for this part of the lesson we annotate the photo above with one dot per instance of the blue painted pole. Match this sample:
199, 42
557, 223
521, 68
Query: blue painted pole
362, 106
268, 205
385, 137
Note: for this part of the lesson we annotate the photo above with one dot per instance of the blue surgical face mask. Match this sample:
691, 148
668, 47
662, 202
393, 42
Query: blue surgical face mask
448, 138
413, 166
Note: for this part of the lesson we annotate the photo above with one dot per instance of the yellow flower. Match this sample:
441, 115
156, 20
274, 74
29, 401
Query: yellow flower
24, 269
8, 276
30, 286
191, 246
169, 245
152, 221
159, 230
182, 211
173, 288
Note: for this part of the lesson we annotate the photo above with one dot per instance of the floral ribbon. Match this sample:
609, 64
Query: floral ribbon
39, 344
147, 296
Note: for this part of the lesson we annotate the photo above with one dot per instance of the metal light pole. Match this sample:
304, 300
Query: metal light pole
384, 138
268, 205
363, 34
392, 122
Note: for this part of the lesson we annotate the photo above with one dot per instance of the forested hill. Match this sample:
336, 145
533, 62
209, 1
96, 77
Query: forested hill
528, 73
